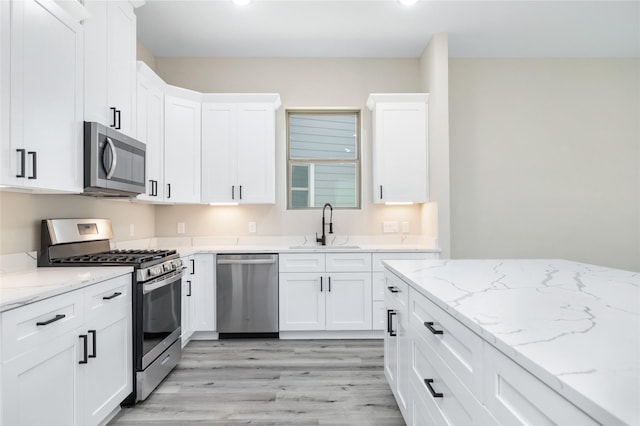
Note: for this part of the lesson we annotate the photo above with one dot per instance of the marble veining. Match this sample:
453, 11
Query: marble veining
574, 326
22, 288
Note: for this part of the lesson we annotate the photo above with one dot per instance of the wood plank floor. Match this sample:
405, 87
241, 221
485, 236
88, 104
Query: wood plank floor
272, 382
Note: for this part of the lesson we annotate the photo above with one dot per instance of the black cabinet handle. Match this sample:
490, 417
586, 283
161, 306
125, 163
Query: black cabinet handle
34, 165
433, 393
329, 284
390, 314
151, 194
54, 319
193, 266
155, 188
381, 192
85, 346
118, 117
168, 190
113, 110
321, 283
189, 292
241, 192
23, 160
233, 192
429, 325
393, 289
114, 295
93, 346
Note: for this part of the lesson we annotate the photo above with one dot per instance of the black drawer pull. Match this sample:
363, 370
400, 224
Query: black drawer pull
433, 393
393, 289
321, 284
189, 292
93, 334
429, 325
114, 295
390, 314
54, 319
22, 153
85, 348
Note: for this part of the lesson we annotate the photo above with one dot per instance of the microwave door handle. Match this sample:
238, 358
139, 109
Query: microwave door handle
114, 163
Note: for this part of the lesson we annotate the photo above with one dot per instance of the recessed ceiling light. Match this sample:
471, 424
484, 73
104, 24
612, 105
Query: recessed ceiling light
407, 2
241, 2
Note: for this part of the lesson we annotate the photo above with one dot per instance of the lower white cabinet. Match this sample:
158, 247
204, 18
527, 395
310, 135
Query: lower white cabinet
68, 377
198, 295
328, 299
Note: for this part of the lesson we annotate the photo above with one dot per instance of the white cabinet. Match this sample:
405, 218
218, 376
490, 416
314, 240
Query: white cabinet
238, 148
181, 146
396, 340
110, 65
198, 295
67, 360
150, 129
327, 298
400, 153
41, 80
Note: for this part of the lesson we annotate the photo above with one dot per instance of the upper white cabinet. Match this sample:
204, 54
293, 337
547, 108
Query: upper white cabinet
400, 152
110, 65
41, 82
182, 145
150, 129
238, 148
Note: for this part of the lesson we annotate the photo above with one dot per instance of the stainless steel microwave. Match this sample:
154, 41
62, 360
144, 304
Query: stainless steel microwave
114, 163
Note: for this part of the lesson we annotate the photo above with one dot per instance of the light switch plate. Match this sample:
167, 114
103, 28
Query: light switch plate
405, 227
181, 227
252, 227
132, 230
389, 226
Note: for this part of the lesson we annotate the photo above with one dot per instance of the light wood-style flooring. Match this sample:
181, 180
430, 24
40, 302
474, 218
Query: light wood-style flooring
272, 382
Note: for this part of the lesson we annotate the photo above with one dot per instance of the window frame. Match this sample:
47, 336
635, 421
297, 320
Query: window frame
312, 161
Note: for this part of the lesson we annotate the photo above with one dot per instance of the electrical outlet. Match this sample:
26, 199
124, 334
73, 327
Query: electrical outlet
180, 227
132, 230
405, 227
252, 227
389, 226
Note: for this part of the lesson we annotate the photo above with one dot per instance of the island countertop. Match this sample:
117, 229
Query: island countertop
574, 326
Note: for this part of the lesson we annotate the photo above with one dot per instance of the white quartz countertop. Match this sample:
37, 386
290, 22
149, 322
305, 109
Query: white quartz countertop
29, 286
188, 250
574, 326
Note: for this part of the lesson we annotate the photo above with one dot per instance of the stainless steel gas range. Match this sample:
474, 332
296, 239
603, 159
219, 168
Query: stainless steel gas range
156, 281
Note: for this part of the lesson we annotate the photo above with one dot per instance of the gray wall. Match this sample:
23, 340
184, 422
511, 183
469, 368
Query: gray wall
545, 159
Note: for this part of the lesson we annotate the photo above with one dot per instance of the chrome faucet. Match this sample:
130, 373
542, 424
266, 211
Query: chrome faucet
323, 240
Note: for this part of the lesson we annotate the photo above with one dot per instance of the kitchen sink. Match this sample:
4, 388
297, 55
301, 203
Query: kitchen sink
322, 247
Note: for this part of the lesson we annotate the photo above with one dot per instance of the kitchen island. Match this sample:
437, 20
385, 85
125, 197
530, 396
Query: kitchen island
574, 327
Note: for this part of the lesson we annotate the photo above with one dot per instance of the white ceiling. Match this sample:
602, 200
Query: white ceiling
384, 28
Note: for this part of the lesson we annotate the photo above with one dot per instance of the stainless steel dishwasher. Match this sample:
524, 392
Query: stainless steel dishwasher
247, 295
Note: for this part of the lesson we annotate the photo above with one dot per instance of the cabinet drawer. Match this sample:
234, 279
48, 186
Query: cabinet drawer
348, 262
396, 291
455, 405
458, 346
301, 262
379, 257
515, 397
57, 315
112, 296
377, 286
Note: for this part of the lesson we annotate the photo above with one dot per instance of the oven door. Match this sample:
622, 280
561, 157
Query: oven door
160, 316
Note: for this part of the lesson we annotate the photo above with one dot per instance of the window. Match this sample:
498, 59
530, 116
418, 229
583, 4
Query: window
323, 158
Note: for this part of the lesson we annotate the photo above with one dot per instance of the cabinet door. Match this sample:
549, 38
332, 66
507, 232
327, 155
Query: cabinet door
404, 358
150, 130
400, 152
349, 301
204, 300
219, 171
42, 386
391, 343
108, 376
45, 98
182, 150
121, 64
187, 311
256, 154
302, 301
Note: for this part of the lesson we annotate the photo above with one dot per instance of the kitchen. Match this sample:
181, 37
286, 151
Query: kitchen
482, 204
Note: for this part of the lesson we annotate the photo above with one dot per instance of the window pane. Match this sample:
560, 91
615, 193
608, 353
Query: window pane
323, 136
300, 176
335, 184
299, 199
